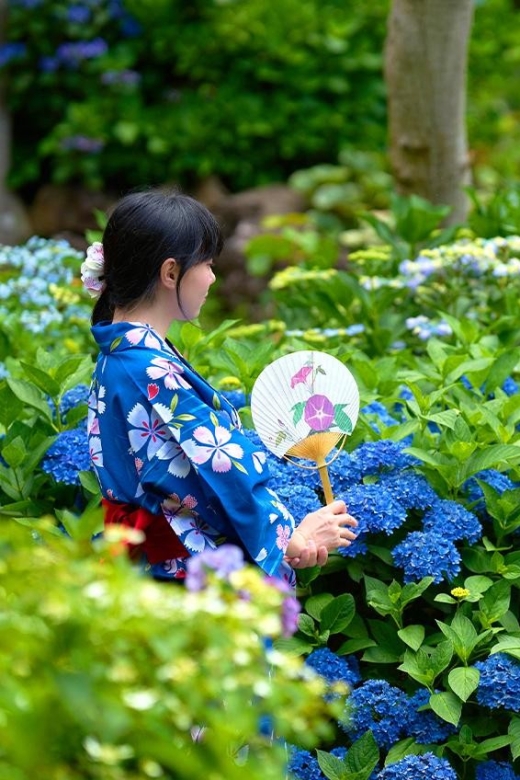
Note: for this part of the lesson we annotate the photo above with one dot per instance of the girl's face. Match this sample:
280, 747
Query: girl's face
194, 288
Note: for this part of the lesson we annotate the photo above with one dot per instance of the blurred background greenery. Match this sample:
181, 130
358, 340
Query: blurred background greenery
117, 93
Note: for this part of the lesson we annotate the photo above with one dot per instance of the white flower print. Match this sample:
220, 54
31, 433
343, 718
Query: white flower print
259, 458
96, 451
262, 555
282, 509
140, 332
195, 534
179, 464
162, 368
101, 405
215, 447
147, 429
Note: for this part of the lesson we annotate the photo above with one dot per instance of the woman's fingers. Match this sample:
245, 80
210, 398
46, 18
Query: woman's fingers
348, 520
323, 556
310, 556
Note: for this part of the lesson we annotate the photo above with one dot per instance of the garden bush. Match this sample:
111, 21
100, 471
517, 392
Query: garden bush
419, 617
110, 675
115, 93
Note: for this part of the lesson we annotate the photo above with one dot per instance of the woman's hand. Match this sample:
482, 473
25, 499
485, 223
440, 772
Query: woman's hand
319, 532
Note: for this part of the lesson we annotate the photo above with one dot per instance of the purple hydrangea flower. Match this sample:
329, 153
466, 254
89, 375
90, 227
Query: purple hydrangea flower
224, 560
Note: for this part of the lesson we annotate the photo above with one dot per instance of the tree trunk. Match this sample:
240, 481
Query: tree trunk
14, 223
425, 72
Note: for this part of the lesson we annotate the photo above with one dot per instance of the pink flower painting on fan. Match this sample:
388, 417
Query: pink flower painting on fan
300, 378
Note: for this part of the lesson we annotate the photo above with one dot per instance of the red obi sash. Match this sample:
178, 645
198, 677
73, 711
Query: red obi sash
161, 542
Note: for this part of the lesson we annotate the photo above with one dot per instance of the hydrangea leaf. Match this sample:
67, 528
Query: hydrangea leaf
463, 681
447, 706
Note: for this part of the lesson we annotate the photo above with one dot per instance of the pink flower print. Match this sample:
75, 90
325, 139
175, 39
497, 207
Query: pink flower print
96, 451
301, 376
318, 413
138, 464
147, 429
162, 368
140, 332
216, 447
179, 464
283, 534
189, 501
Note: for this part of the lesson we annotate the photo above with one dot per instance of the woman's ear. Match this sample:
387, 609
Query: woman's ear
169, 272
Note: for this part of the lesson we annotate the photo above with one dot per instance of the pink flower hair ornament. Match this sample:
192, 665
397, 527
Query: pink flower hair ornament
93, 270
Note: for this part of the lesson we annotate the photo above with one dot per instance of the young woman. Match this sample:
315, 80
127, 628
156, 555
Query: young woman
167, 448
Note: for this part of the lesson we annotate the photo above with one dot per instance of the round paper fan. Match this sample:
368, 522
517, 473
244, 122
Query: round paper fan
302, 405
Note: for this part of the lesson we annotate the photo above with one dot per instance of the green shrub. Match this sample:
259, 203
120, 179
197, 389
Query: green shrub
110, 675
155, 91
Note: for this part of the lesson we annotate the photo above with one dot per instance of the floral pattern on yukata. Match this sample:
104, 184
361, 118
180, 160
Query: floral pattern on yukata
161, 437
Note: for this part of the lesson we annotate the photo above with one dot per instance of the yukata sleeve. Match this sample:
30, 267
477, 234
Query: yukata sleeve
231, 474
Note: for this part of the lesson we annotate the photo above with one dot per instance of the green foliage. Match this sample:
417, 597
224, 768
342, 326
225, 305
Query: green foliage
414, 225
450, 399
113, 675
146, 107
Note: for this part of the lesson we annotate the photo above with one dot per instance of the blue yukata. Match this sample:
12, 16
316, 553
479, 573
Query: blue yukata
162, 438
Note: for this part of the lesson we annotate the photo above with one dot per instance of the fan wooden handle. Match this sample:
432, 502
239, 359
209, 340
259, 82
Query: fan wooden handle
325, 481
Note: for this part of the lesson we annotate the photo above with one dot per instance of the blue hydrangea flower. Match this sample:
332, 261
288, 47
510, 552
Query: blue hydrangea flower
299, 499
343, 472
451, 520
72, 398
423, 767
424, 725
426, 554
375, 508
379, 707
410, 490
510, 387
374, 457
236, 398
382, 415
499, 685
498, 481
303, 766
333, 667
355, 548
495, 770
68, 456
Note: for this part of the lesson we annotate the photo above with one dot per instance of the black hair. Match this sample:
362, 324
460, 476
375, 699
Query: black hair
144, 229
